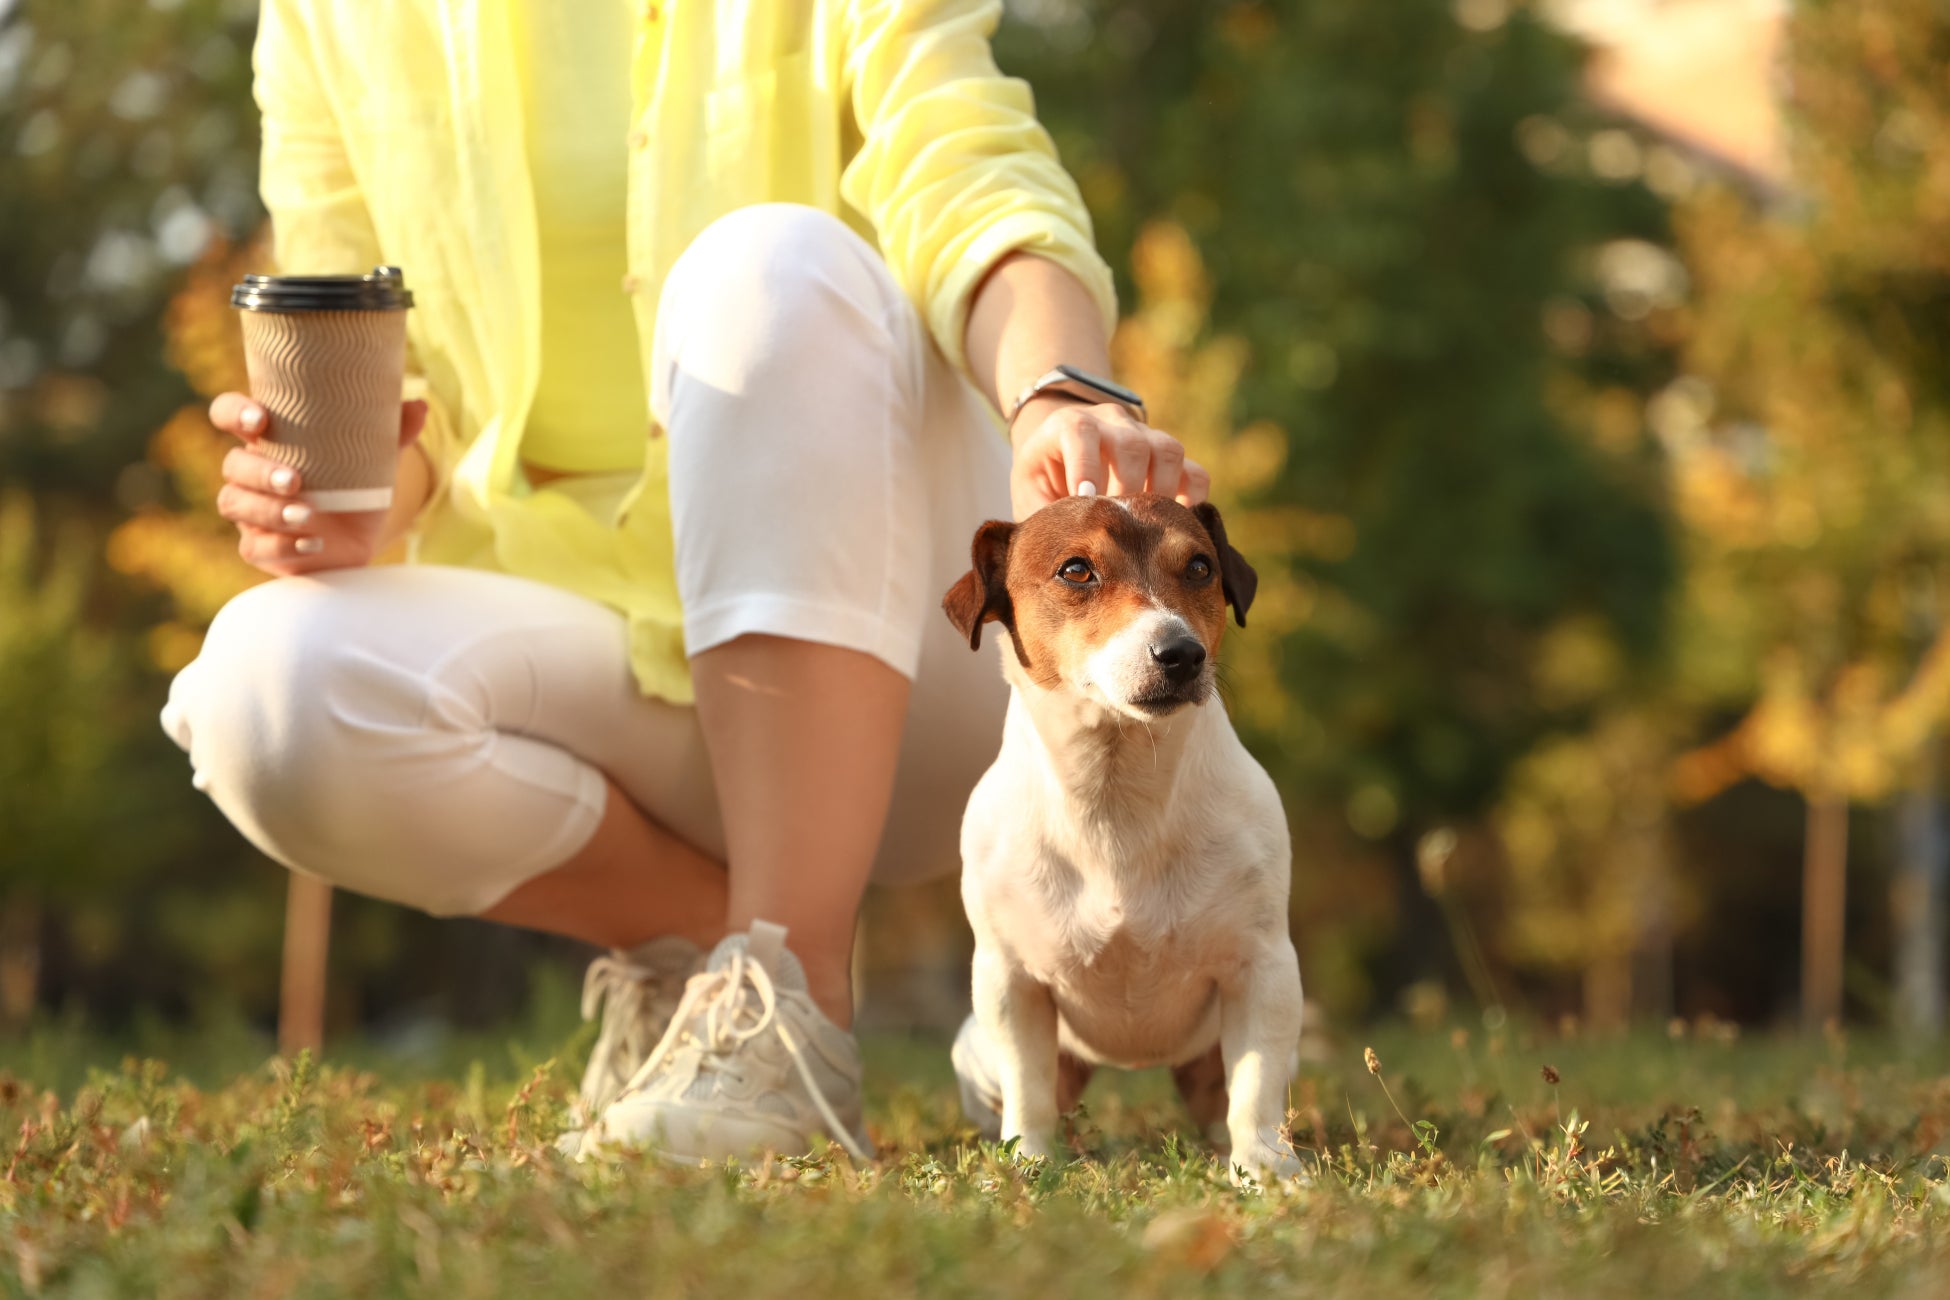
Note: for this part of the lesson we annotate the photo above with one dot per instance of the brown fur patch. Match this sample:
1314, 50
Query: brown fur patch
1138, 549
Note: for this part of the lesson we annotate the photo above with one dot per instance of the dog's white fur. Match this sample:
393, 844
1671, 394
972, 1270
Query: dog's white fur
1126, 876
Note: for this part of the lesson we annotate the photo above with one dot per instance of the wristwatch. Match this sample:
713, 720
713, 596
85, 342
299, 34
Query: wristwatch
1082, 385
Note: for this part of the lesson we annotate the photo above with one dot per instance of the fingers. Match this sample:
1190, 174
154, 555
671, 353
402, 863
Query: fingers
1081, 443
1084, 451
240, 417
1130, 456
281, 553
1195, 486
1167, 462
247, 469
246, 508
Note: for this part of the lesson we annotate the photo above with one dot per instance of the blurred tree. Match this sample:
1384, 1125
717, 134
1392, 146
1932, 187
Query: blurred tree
130, 138
1810, 441
127, 142
1452, 306
179, 543
81, 813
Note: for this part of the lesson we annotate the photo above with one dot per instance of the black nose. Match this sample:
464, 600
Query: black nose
1181, 658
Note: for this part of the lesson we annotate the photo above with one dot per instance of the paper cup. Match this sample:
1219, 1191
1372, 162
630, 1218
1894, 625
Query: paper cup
327, 357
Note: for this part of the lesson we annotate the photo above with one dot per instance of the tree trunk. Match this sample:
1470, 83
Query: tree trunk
1653, 955
307, 941
1916, 905
1608, 992
20, 960
1824, 899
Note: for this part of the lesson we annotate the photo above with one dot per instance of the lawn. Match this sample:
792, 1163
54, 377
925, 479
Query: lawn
1667, 1164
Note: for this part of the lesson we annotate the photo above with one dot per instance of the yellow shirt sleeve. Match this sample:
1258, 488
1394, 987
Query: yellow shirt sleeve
319, 220
954, 171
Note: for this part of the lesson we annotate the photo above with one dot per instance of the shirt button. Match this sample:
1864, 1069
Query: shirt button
638, 138
651, 13
631, 284
654, 430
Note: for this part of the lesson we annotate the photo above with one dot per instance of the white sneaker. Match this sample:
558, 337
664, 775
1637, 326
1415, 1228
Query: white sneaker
637, 991
750, 1064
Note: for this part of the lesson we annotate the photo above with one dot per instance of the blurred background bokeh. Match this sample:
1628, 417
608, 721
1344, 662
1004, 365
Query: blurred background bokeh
1576, 375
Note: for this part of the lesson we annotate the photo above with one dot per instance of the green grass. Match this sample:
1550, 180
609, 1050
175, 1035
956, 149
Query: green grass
1658, 1166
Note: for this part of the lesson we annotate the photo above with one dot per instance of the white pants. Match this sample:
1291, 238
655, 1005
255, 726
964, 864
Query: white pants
438, 736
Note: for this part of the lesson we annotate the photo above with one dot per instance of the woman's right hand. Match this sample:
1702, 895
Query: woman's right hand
278, 532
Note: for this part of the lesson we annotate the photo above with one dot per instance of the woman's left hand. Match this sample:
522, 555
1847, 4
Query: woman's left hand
1066, 448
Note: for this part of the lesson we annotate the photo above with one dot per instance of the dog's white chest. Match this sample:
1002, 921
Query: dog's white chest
1135, 982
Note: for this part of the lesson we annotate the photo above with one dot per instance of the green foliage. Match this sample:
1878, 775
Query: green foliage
1355, 179
129, 137
80, 810
1811, 432
1668, 1166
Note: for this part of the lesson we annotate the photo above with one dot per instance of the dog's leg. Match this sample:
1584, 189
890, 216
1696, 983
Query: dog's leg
1073, 1075
1020, 1019
1202, 1083
1259, 1029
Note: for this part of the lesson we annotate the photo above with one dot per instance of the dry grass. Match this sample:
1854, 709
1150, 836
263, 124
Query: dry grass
1652, 1167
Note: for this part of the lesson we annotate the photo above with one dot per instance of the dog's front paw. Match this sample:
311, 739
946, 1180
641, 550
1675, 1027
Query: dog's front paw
1264, 1159
1034, 1146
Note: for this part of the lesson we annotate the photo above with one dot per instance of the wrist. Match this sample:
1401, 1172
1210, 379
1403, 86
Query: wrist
1081, 385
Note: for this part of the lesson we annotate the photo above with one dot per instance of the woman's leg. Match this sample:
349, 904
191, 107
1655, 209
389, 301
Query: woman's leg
803, 740
461, 742
631, 882
791, 373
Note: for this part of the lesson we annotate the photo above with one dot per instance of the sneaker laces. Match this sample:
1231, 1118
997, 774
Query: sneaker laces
715, 998
630, 990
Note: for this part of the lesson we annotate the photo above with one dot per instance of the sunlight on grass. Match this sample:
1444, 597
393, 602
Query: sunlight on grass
1653, 1165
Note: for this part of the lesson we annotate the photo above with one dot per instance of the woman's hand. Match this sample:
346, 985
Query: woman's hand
1066, 448
279, 533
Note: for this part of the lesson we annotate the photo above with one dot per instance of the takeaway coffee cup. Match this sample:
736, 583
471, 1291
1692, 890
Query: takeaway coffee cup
326, 356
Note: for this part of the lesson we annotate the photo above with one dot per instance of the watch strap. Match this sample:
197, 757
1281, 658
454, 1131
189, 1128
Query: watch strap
1083, 386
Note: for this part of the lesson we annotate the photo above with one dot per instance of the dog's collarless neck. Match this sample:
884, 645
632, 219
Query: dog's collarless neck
1104, 761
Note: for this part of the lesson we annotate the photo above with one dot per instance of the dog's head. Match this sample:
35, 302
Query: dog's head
1119, 599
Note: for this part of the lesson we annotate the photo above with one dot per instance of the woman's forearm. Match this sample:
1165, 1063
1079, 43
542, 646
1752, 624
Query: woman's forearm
1028, 315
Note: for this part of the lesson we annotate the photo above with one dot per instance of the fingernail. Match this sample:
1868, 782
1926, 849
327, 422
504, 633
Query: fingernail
309, 545
1086, 489
252, 419
284, 479
296, 513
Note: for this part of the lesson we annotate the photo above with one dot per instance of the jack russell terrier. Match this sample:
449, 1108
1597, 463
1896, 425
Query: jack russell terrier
1125, 861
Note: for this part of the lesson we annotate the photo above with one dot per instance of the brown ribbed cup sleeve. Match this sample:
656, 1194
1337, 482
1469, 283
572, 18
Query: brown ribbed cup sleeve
331, 381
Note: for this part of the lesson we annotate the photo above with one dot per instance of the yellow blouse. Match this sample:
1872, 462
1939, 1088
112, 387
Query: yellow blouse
591, 412
394, 133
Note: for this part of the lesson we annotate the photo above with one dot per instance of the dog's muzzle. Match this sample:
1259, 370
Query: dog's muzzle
1178, 676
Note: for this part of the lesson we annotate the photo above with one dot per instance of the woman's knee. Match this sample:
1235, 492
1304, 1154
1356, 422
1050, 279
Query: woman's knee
777, 252
772, 296
262, 714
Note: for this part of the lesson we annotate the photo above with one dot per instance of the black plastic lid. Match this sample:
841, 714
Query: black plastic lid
384, 290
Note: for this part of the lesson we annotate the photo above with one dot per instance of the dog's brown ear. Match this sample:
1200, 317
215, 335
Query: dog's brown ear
982, 593
1235, 575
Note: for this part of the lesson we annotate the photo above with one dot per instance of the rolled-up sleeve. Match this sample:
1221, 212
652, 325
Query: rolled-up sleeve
320, 224
319, 221
954, 171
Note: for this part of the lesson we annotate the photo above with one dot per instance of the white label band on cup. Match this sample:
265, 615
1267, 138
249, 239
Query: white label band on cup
346, 500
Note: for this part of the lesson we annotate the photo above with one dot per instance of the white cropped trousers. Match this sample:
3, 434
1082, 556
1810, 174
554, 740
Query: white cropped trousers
437, 736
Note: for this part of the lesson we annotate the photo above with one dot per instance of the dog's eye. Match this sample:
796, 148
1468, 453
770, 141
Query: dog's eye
1199, 569
1076, 571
